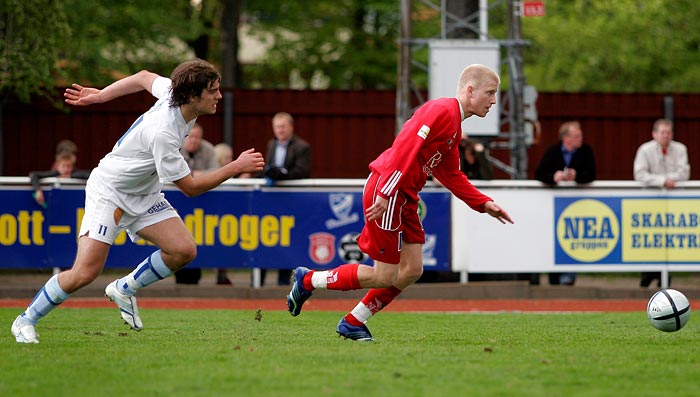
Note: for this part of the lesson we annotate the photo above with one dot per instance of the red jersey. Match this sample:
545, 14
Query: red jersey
428, 144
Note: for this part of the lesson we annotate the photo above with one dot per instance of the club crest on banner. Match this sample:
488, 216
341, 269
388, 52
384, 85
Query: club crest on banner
341, 204
321, 248
429, 250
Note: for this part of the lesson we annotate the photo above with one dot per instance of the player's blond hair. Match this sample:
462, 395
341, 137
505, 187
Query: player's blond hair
476, 75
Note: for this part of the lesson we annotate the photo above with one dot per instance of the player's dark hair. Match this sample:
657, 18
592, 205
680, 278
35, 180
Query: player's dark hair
190, 78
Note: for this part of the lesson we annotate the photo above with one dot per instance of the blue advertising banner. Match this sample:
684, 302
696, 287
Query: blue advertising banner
23, 236
232, 227
627, 230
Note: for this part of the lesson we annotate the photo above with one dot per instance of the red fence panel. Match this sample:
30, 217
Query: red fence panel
346, 129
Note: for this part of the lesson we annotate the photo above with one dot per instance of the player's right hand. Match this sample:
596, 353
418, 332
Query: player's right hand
377, 209
497, 212
78, 95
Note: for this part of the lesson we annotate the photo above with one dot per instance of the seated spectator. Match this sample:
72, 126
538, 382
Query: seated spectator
199, 155
64, 168
224, 155
198, 152
65, 145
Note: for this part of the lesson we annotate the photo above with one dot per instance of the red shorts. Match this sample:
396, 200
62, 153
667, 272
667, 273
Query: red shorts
381, 239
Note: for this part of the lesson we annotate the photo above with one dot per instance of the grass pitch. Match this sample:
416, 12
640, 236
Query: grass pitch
89, 352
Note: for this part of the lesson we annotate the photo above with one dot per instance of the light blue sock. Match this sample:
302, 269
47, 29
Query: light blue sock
50, 296
146, 273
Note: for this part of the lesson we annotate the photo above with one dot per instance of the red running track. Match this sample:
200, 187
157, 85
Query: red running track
400, 305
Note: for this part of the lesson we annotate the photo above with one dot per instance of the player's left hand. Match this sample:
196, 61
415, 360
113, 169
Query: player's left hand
497, 212
249, 161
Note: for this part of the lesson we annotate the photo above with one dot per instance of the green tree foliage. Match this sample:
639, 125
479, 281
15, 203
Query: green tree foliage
615, 46
31, 35
48, 43
111, 39
580, 45
335, 44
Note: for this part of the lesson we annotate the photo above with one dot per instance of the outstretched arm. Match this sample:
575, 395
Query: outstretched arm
78, 95
248, 161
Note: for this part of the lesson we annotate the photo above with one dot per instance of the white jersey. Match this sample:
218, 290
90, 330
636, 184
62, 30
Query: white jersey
146, 156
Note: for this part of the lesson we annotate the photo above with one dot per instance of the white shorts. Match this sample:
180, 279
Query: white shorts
104, 220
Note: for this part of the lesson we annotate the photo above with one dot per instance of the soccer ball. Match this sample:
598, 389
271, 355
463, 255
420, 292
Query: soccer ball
668, 310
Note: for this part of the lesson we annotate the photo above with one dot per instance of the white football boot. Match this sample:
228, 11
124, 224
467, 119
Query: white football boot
127, 306
23, 331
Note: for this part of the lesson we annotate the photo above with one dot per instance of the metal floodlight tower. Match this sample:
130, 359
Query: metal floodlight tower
468, 19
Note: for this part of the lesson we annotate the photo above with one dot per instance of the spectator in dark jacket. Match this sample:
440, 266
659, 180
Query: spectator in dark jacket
568, 160
288, 157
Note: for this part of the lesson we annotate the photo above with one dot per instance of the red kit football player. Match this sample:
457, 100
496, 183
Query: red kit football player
428, 144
